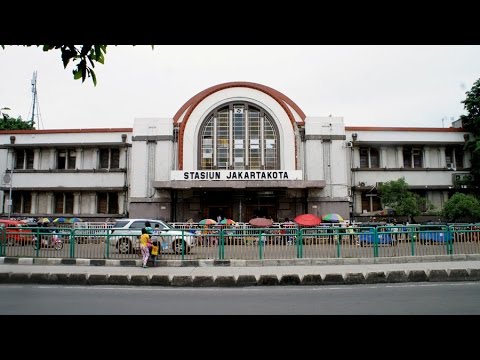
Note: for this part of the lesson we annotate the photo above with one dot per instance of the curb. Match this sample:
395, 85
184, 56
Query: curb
376, 277
238, 263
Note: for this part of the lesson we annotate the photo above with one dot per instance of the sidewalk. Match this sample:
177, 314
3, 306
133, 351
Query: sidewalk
240, 272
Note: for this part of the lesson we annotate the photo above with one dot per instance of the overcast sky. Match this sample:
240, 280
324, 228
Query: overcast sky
366, 85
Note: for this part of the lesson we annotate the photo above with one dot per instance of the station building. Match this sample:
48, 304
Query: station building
236, 150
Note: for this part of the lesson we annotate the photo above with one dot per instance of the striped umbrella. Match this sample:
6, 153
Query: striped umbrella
227, 222
332, 218
207, 222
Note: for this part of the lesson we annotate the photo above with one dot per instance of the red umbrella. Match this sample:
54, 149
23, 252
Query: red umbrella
307, 220
261, 222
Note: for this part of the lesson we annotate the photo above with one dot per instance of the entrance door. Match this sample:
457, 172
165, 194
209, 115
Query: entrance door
213, 212
268, 211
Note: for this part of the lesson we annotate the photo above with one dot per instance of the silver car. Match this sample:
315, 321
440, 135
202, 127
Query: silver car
125, 234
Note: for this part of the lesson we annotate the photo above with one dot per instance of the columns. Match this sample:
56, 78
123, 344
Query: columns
121, 203
52, 163
426, 157
399, 156
79, 161
50, 208
95, 159
36, 159
358, 202
77, 203
383, 157
34, 206
356, 157
441, 156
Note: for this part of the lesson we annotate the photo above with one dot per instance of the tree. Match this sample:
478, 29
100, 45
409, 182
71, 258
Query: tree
396, 195
461, 206
471, 123
86, 55
11, 123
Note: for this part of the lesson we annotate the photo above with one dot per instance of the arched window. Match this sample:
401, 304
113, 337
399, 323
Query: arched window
239, 136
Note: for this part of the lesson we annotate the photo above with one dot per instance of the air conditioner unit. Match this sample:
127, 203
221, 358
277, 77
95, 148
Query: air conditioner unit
361, 183
349, 144
450, 166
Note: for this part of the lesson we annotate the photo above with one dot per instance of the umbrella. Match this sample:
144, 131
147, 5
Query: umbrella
227, 222
307, 220
332, 218
60, 220
74, 220
207, 222
44, 220
261, 222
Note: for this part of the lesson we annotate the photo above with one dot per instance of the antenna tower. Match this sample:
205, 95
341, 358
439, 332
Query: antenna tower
35, 104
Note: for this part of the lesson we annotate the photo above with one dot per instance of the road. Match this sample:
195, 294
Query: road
457, 298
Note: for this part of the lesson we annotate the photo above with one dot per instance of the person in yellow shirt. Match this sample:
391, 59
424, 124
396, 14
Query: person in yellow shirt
144, 248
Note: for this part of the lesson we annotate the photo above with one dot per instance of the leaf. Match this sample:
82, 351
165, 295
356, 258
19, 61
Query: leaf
77, 74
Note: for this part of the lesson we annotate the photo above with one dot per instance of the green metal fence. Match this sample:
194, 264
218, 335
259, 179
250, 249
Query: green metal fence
249, 243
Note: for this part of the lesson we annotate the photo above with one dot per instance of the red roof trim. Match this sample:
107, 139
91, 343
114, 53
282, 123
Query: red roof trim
382, 128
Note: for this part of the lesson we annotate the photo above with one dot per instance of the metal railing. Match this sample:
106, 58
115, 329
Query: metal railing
247, 242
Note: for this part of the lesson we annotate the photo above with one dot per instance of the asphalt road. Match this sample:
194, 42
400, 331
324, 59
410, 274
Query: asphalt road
457, 298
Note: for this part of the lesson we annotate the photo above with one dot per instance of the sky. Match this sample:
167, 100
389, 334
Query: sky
395, 85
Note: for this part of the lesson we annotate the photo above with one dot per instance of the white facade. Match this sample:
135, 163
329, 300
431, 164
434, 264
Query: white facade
236, 150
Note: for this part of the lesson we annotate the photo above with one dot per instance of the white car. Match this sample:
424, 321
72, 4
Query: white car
125, 234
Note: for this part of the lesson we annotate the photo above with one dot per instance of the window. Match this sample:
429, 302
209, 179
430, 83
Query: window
23, 159
369, 158
107, 203
412, 158
66, 159
109, 158
63, 203
371, 202
21, 202
239, 136
454, 156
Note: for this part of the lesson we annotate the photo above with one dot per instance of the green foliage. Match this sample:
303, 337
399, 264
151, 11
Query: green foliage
461, 206
396, 195
10, 123
471, 122
85, 55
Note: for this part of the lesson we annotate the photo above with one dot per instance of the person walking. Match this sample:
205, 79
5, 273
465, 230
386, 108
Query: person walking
144, 241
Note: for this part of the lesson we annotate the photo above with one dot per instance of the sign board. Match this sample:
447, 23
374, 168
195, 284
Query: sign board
236, 175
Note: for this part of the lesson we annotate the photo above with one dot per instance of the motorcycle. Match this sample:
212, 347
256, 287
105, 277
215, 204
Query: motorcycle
48, 241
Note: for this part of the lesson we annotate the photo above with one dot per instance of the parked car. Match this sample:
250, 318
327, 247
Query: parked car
125, 234
14, 232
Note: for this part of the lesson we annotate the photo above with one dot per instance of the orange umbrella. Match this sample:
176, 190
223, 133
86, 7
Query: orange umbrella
307, 220
261, 222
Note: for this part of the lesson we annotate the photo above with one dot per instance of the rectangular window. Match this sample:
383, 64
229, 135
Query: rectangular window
21, 202
66, 159
63, 203
104, 155
109, 159
374, 158
23, 159
363, 157
19, 159
371, 202
107, 203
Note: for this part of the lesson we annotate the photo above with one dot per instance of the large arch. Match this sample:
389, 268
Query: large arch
181, 118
